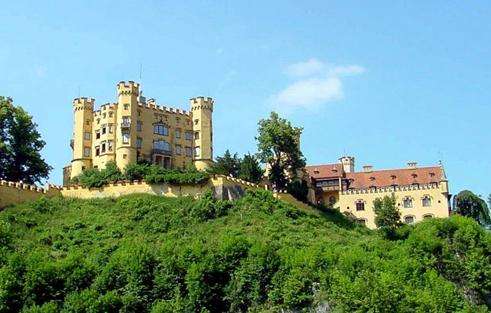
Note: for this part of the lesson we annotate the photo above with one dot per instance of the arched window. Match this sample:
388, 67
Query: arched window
426, 201
407, 202
409, 219
427, 216
360, 205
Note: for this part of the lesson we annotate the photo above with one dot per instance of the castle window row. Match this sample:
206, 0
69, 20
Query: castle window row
407, 203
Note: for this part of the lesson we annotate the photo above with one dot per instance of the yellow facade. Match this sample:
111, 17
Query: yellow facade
437, 206
134, 128
420, 192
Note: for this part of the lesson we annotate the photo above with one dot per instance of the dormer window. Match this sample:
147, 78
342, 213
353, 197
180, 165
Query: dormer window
372, 178
414, 175
393, 177
432, 174
316, 172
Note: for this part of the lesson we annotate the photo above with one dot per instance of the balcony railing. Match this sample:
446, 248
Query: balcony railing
161, 152
125, 124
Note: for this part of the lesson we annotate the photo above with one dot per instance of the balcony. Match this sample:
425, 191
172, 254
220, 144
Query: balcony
126, 125
161, 152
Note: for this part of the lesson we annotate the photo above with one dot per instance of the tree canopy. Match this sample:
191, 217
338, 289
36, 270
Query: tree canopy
279, 148
227, 164
20, 145
468, 204
246, 168
250, 169
387, 215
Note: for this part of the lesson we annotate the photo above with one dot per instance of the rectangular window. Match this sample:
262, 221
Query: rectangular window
161, 129
139, 125
97, 134
197, 152
87, 136
178, 150
139, 142
189, 151
86, 152
126, 106
103, 129
360, 206
97, 151
188, 135
178, 133
110, 145
103, 147
196, 135
110, 128
126, 137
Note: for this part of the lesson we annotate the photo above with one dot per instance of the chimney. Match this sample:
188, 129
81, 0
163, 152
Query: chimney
412, 164
367, 168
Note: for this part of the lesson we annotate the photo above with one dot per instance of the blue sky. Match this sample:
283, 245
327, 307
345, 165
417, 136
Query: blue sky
385, 81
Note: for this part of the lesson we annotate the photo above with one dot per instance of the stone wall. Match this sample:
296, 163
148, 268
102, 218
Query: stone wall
13, 193
223, 187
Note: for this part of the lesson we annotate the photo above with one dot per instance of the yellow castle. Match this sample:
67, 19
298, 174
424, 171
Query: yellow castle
134, 128
421, 192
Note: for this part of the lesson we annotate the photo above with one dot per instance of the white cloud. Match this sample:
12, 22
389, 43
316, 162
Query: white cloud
316, 83
310, 92
307, 68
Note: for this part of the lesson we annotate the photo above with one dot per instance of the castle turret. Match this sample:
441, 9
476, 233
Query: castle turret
201, 110
348, 163
128, 93
82, 135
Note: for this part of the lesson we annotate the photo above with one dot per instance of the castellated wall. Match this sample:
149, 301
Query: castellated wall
223, 187
16, 192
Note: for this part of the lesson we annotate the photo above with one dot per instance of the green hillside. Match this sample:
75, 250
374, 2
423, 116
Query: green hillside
151, 254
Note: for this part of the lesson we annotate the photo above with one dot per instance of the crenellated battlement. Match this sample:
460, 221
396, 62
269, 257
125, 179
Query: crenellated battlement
17, 192
199, 103
128, 88
391, 189
164, 109
83, 103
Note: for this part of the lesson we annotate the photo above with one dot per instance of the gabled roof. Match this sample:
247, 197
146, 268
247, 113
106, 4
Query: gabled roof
325, 171
400, 177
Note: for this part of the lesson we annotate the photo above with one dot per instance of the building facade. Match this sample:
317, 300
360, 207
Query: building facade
134, 128
420, 192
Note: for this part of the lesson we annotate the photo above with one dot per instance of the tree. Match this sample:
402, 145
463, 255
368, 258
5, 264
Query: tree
227, 165
387, 215
250, 169
279, 148
466, 203
20, 145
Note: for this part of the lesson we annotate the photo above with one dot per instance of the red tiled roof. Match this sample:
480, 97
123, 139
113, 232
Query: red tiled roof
401, 177
325, 171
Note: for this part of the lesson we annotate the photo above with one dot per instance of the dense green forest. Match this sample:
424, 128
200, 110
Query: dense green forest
143, 253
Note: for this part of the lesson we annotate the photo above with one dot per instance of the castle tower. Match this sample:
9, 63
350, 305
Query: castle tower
128, 93
82, 135
201, 110
348, 163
